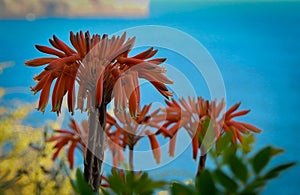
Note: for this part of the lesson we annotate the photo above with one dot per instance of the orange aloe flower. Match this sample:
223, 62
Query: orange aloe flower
126, 131
75, 137
237, 127
102, 68
197, 116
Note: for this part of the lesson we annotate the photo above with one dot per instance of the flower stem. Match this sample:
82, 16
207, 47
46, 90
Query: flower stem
131, 167
95, 151
201, 163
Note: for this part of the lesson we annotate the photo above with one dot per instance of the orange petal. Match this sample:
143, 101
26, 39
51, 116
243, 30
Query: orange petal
136, 91
234, 134
239, 136
71, 97
71, 153
232, 109
240, 113
74, 42
173, 130
195, 146
73, 125
193, 104
54, 44
59, 62
144, 111
186, 106
99, 91
53, 138
81, 96
220, 107
175, 103
131, 84
59, 146
44, 97
63, 47
144, 54
172, 145
237, 125
155, 146
41, 75
162, 89
82, 43
49, 50
133, 109
39, 61
164, 132
110, 119
59, 92
157, 61
251, 127
43, 80
153, 76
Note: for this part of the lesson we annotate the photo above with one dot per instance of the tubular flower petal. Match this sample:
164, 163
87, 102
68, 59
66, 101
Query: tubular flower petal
39, 61
154, 146
195, 145
96, 63
172, 145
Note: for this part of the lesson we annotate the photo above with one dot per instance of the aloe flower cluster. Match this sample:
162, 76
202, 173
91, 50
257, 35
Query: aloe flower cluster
102, 68
104, 71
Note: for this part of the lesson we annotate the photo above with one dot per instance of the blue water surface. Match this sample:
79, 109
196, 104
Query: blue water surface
256, 47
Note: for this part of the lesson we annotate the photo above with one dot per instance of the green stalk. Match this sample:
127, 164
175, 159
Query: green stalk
95, 151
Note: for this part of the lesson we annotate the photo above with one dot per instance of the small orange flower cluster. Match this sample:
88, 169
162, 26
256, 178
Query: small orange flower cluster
76, 137
127, 131
201, 118
123, 130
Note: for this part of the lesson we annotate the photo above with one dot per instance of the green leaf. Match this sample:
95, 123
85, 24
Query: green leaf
205, 183
228, 152
116, 183
144, 185
276, 170
129, 182
261, 159
209, 137
276, 151
238, 168
181, 189
81, 185
104, 191
247, 143
151, 186
229, 184
224, 141
255, 187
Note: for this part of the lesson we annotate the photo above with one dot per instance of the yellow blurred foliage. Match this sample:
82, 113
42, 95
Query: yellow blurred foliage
25, 158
